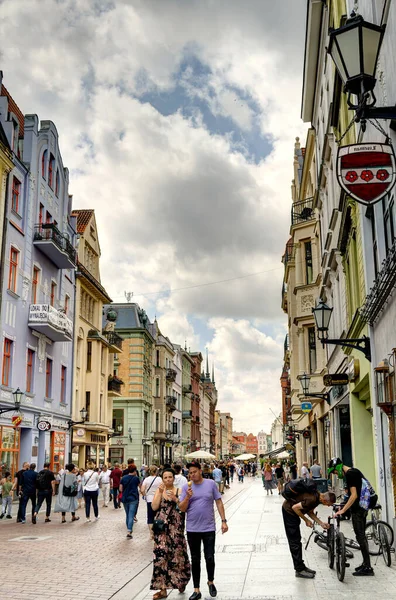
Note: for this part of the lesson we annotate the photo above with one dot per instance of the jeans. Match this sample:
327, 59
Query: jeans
88, 497
359, 518
25, 499
115, 497
293, 534
7, 505
41, 496
194, 541
130, 512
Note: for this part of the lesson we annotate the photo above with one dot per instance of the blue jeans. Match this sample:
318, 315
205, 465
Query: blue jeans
25, 499
130, 512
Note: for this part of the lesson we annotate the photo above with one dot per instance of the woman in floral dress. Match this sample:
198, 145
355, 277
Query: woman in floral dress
171, 563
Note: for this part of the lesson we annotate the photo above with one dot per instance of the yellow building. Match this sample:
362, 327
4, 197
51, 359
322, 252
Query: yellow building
95, 384
6, 165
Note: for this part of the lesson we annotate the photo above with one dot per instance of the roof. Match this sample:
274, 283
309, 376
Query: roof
14, 108
83, 218
129, 316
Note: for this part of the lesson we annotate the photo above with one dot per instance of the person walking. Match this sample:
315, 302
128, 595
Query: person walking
104, 484
305, 471
148, 489
45, 484
299, 502
206, 472
129, 488
280, 477
180, 480
232, 471
316, 470
28, 491
17, 487
66, 499
6, 492
293, 470
91, 491
115, 478
267, 474
171, 565
80, 494
354, 480
241, 473
217, 476
196, 500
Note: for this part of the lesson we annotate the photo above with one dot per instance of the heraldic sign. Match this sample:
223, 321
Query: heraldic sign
367, 172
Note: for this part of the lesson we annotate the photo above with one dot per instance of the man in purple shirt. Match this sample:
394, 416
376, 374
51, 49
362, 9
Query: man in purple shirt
196, 500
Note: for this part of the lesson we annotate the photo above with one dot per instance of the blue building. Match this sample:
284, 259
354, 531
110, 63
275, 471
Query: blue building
37, 293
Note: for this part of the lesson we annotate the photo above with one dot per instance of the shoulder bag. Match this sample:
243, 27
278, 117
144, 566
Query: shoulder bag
69, 490
159, 525
145, 494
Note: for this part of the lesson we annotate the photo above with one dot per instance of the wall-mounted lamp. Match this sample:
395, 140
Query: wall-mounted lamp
130, 433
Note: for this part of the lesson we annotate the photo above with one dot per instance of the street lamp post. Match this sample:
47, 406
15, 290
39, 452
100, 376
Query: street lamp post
322, 314
84, 419
305, 381
17, 402
355, 49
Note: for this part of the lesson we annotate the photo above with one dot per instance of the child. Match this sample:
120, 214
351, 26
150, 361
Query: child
6, 484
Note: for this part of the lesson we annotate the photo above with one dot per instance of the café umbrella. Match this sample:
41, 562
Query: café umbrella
201, 454
245, 456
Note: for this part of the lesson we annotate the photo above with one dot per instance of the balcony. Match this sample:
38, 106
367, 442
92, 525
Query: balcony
54, 245
302, 211
114, 340
114, 386
171, 403
289, 252
187, 389
187, 414
171, 375
382, 289
53, 323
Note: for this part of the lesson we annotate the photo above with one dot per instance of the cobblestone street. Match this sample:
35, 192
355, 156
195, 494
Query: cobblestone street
95, 561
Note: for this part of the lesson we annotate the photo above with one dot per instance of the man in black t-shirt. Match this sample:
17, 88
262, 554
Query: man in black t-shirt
353, 478
45, 484
280, 477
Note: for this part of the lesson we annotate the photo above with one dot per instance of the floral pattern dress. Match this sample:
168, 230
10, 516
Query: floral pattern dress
172, 567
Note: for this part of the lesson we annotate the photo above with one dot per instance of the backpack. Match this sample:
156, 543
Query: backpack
368, 498
70, 490
41, 481
299, 486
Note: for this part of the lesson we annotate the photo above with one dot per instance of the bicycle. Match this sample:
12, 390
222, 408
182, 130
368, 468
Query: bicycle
321, 540
336, 549
380, 536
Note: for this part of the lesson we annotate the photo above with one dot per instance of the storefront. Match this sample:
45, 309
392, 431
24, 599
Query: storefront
57, 450
89, 446
9, 449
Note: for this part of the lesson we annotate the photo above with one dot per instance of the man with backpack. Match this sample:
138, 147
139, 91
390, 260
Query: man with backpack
301, 499
45, 484
361, 498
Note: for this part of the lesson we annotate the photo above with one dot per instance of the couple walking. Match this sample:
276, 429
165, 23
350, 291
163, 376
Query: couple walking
172, 567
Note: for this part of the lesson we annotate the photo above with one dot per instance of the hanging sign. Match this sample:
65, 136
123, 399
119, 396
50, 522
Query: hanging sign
306, 407
43, 425
16, 420
335, 379
367, 172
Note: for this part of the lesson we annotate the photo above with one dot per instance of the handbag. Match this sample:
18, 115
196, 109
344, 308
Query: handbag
85, 483
159, 525
70, 490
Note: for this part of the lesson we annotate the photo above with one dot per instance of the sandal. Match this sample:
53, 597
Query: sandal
161, 594
75, 519
63, 521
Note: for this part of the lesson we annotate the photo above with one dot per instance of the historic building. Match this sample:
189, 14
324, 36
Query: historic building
94, 382
195, 400
251, 444
6, 166
37, 292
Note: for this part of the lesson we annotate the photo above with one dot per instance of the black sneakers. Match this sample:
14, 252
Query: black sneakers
364, 571
212, 590
305, 574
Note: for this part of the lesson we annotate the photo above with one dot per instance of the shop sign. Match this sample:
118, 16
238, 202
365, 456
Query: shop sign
43, 425
367, 172
335, 379
306, 407
99, 439
80, 432
16, 420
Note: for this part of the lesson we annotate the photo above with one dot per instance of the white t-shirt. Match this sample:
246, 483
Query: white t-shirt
304, 472
91, 481
104, 477
180, 480
154, 482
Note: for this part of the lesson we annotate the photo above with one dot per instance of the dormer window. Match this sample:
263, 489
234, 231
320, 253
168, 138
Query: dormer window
51, 168
44, 164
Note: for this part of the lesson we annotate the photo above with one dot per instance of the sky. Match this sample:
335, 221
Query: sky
177, 121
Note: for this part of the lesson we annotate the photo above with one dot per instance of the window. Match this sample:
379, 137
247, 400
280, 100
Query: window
48, 217
41, 214
7, 358
312, 349
102, 360
48, 378
29, 370
145, 423
12, 277
51, 167
371, 215
157, 387
88, 405
44, 163
57, 183
89, 356
118, 419
389, 226
63, 385
16, 192
67, 302
35, 283
158, 358
53, 293
308, 263
156, 421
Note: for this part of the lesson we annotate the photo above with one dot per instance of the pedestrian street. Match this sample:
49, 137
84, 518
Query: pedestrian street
253, 558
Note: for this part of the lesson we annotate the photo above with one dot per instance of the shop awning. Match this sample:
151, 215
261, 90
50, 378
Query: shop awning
277, 451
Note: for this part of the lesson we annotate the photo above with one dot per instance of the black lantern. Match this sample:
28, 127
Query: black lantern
17, 398
84, 418
322, 314
384, 387
84, 414
305, 381
354, 48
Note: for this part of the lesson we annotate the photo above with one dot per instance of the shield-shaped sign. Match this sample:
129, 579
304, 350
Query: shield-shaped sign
367, 172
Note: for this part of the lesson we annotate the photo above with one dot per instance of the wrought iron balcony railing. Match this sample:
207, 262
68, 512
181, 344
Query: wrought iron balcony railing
302, 211
171, 375
171, 402
114, 385
113, 338
47, 233
382, 288
289, 253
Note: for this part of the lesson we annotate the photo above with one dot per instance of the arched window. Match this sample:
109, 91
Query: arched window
44, 164
57, 183
51, 168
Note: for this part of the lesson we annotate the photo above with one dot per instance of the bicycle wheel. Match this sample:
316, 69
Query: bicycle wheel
349, 543
340, 556
321, 544
373, 537
330, 546
385, 548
